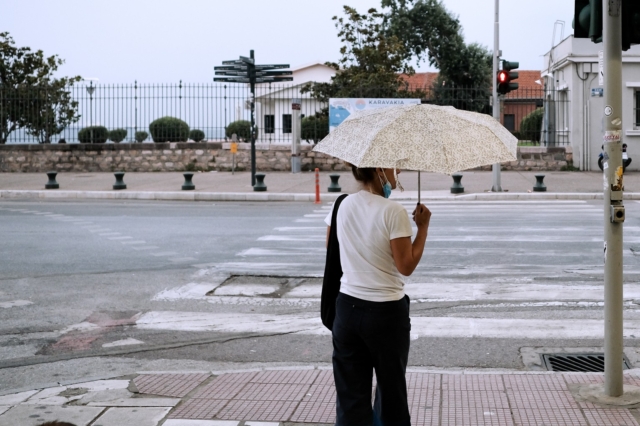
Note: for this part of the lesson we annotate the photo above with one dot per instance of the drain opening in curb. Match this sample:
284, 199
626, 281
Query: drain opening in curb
579, 362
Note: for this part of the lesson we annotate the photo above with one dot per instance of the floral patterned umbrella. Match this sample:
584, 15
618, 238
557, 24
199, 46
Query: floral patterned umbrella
420, 137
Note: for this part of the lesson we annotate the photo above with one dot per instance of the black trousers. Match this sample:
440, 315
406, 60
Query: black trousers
371, 336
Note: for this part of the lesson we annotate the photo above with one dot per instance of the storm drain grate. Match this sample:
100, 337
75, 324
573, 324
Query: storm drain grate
586, 362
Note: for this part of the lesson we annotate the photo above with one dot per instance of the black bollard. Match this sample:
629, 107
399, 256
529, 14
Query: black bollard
539, 186
260, 186
52, 184
457, 187
119, 181
334, 186
188, 184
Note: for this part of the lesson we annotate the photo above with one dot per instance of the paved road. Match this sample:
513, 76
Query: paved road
195, 283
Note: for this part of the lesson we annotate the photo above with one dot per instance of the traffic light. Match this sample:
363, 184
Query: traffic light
630, 23
506, 77
587, 21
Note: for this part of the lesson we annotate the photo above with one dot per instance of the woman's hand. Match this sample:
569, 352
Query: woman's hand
422, 216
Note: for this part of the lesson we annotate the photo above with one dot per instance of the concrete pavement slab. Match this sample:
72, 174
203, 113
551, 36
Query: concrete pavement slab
183, 422
4, 408
30, 415
16, 398
131, 416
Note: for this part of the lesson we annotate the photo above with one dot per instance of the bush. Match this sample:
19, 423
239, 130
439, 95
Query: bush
314, 128
196, 135
242, 128
100, 134
169, 129
117, 135
531, 126
141, 136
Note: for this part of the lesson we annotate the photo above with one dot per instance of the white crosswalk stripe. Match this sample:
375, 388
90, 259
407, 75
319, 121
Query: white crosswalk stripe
475, 259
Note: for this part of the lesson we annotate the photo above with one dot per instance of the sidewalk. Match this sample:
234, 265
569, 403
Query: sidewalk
301, 395
284, 186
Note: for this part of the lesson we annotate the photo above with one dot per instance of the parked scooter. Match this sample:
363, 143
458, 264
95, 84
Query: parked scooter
625, 158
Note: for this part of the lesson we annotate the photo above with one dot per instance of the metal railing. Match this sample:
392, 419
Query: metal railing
535, 116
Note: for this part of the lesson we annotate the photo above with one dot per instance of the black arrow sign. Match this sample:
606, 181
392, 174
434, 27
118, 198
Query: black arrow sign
232, 80
230, 68
239, 73
272, 79
272, 67
275, 73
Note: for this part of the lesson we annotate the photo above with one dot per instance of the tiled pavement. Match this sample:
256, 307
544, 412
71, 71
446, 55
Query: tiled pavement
295, 396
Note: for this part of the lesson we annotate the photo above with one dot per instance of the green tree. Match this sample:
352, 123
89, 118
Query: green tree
30, 97
430, 32
371, 62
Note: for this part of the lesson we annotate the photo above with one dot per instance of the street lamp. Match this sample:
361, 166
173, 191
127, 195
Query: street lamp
90, 90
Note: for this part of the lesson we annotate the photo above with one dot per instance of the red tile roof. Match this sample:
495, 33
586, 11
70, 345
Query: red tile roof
526, 80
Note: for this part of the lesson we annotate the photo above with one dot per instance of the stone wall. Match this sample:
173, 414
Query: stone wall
160, 157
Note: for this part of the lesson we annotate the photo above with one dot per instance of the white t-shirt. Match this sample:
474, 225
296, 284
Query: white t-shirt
366, 225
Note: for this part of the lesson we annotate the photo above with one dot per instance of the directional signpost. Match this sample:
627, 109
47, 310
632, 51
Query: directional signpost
244, 70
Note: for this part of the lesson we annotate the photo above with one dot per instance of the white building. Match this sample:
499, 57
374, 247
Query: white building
273, 102
574, 103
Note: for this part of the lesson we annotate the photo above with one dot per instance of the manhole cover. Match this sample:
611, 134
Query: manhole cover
264, 286
585, 362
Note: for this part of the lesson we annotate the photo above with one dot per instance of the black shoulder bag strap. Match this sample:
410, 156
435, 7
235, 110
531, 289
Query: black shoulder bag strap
332, 272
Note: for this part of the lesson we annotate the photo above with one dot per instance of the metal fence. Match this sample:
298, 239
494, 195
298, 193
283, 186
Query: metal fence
535, 116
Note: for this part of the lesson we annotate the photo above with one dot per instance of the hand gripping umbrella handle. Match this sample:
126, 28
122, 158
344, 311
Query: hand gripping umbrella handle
418, 187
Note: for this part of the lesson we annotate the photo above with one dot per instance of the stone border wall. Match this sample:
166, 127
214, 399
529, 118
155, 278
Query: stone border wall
181, 156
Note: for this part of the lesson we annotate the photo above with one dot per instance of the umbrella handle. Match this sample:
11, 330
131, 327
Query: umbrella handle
418, 187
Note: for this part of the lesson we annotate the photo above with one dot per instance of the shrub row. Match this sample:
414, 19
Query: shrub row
172, 129
165, 129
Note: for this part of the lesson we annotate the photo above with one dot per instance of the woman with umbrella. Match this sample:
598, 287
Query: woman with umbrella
371, 326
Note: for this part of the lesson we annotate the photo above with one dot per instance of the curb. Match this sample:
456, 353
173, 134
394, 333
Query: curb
251, 196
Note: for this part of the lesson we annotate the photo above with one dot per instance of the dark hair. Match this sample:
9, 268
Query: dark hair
57, 423
364, 175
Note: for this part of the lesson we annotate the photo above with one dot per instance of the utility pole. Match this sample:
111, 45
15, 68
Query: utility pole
613, 207
496, 100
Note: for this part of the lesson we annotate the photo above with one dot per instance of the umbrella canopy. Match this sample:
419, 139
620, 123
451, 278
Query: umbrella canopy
420, 137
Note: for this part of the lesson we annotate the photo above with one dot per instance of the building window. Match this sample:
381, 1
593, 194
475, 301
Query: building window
270, 123
286, 123
510, 122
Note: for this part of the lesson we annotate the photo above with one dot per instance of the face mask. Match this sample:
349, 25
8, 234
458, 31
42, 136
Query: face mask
386, 187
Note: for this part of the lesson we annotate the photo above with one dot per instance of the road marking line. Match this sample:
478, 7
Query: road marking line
110, 234
164, 253
14, 303
183, 259
120, 238
145, 248
443, 327
133, 242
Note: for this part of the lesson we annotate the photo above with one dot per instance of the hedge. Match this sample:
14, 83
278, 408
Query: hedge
169, 129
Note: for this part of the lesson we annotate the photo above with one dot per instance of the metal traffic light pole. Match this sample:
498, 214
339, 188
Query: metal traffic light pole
251, 72
496, 100
613, 208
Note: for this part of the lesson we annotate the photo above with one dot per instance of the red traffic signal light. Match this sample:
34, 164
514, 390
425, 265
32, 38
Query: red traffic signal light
506, 76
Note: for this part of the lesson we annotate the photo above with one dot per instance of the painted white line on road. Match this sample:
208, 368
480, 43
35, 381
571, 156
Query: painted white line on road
110, 234
123, 342
181, 259
442, 327
276, 252
93, 231
14, 303
145, 248
164, 253
316, 215
292, 238
133, 242
439, 292
120, 238
302, 228
41, 213
309, 220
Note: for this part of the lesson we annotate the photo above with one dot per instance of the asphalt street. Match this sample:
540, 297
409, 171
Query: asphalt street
87, 287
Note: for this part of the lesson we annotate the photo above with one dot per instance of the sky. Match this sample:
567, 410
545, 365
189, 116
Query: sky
165, 41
